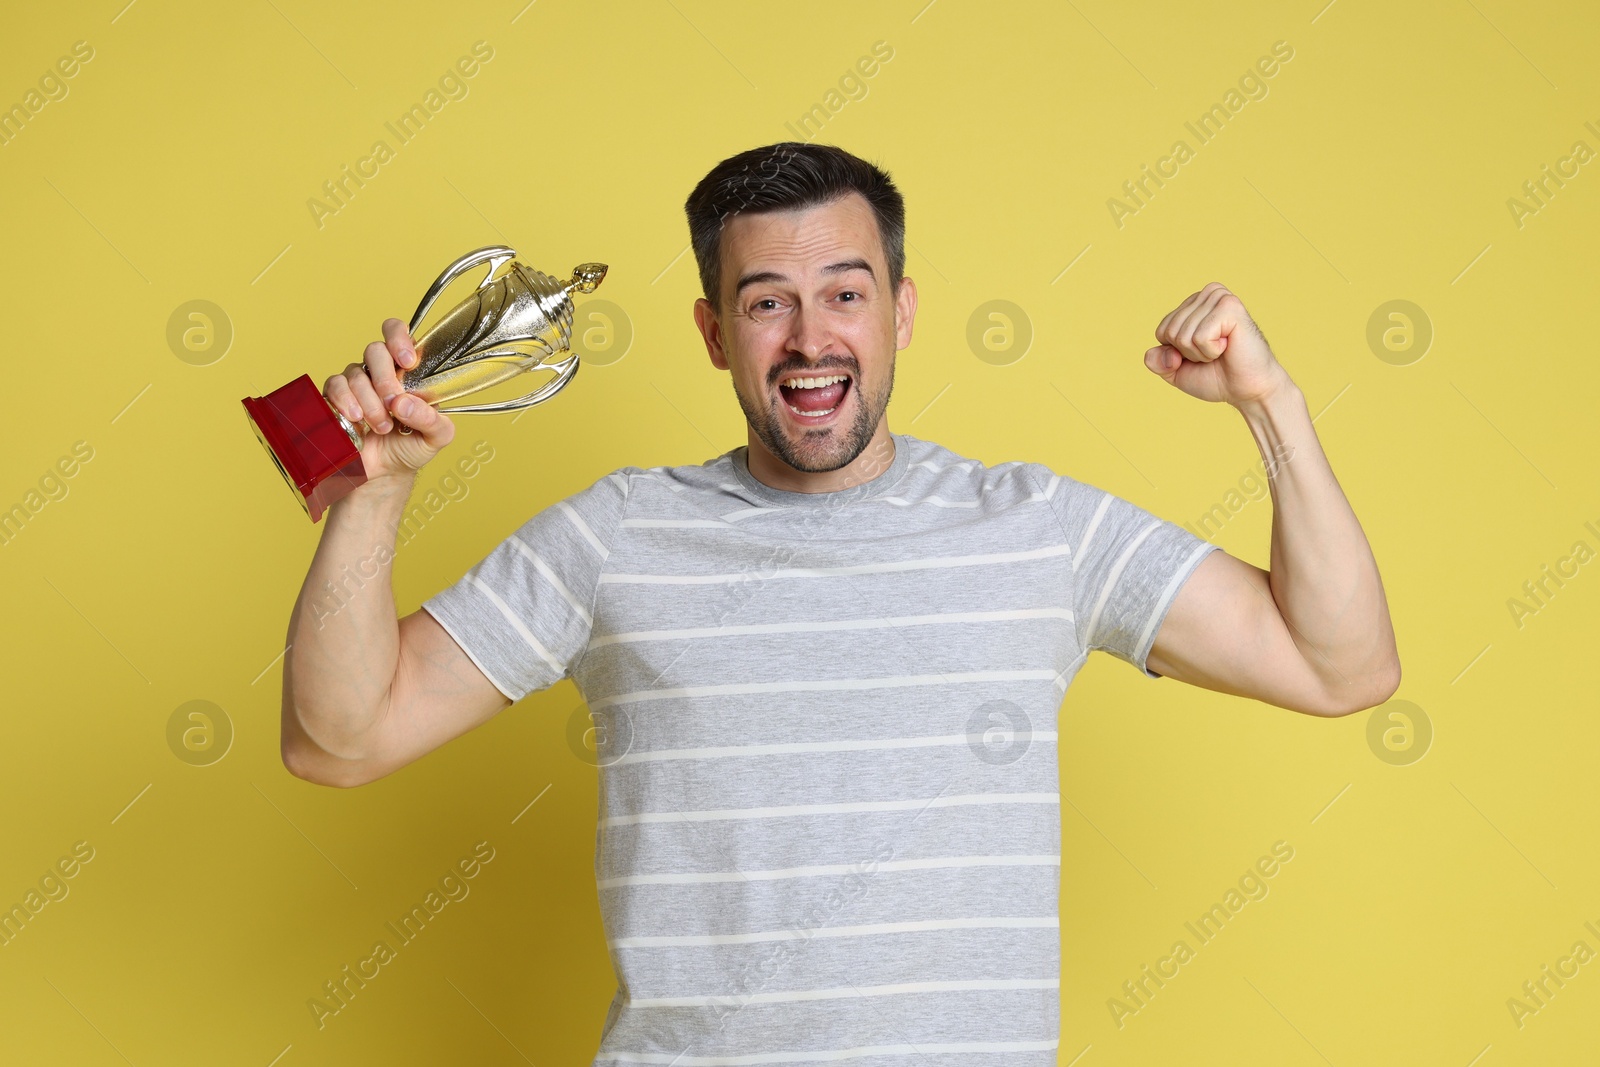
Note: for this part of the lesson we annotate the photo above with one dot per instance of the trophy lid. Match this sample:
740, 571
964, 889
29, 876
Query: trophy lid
586, 277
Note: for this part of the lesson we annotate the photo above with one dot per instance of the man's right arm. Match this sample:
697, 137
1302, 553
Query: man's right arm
363, 693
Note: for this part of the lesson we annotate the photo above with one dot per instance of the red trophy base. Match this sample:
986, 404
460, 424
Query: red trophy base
308, 442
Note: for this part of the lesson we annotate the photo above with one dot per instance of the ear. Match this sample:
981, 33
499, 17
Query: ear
905, 313
705, 317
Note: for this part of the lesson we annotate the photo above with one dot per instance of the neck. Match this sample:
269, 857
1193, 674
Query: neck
773, 472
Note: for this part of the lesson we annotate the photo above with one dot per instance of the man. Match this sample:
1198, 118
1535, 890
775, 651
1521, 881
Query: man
828, 664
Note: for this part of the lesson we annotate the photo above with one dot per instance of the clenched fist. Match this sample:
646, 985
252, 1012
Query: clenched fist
1211, 349
372, 392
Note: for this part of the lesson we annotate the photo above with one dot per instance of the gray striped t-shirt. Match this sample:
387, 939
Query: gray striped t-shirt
829, 822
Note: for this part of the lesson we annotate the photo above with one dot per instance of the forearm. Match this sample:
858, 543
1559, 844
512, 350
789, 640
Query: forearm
343, 641
1322, 574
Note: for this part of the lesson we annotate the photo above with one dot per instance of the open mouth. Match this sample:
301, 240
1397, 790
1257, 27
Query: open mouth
814, 397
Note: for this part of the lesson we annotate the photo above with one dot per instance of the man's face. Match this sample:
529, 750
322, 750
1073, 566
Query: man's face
809, 329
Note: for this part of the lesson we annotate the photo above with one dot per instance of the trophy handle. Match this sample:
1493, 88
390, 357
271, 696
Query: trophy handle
568, 368
494, 254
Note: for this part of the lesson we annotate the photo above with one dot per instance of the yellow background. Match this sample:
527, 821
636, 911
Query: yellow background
1378, 168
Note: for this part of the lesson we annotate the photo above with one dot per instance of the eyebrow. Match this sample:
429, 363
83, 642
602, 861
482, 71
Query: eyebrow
761, 276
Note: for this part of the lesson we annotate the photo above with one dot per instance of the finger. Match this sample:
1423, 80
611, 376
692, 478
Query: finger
1208, 332
1168, 328
402, 349
371, 407
1227, 314
1181, 319
337, 390
380, 368
1184, 340
437, 430
1199, 334
1164, 327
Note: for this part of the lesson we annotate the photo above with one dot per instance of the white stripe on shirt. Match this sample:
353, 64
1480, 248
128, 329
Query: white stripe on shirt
787, 811
814, 685
517, 624
823, 869
835, 572
1171, 587
895, 989
921, 1050
1094, 524
550, 576
892, 622
916, 926
582, 527
796, 747
1112, 578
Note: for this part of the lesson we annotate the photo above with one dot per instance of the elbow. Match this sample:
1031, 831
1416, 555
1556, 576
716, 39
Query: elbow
319, 772
1349, 699
300, 763
307, 761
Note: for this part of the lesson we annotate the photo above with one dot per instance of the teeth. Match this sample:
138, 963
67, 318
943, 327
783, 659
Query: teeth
811, 414
815, 383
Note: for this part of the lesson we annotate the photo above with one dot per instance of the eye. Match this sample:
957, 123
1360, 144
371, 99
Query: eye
765, 304
850, 293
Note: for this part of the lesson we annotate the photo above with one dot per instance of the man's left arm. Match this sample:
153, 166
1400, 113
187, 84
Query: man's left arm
1313, 633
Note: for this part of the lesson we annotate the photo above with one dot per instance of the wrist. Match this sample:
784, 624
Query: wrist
1282, 396
391, 484
383, 496
1277, 422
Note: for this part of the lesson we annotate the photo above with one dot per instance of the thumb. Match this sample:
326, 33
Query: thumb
1163, 360
435, 428
433, 431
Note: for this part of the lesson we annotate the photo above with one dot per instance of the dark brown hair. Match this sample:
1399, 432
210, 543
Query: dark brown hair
790, 174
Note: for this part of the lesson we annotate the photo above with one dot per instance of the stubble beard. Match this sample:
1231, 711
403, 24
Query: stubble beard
822, 450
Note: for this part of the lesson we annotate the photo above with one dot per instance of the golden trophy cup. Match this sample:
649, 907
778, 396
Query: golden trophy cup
517, 320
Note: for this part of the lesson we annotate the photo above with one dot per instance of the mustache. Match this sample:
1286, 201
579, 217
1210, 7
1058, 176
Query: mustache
844, 364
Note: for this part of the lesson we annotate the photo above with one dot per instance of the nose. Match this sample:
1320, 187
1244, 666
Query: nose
810, 335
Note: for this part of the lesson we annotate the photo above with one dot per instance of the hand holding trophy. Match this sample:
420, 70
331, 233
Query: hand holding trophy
372, 398
514, 322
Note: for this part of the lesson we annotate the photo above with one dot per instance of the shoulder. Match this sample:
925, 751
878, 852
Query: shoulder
713, 473
713, 476
940, 470
633, 492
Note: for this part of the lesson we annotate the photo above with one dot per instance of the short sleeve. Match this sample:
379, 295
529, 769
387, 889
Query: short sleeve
1127, 564
523, 613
